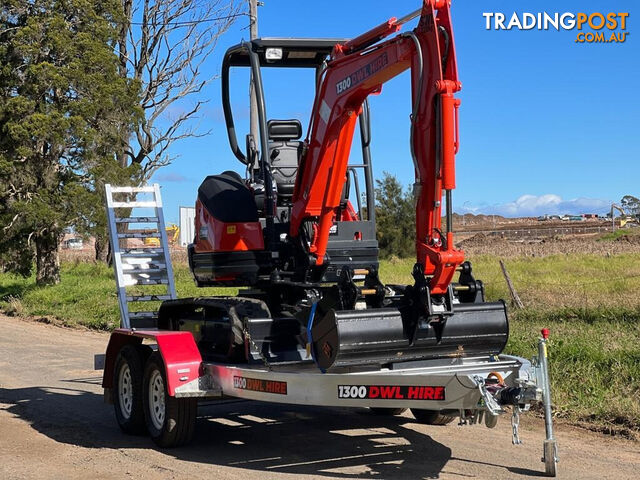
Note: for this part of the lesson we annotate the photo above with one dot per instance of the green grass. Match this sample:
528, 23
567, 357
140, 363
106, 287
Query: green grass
621, 232
549, 283
590, 303
594, 362
86, 295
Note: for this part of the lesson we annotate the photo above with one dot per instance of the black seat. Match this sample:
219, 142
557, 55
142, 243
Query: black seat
284, 152
227, 198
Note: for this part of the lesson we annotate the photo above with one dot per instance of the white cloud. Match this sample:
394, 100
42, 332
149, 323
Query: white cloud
534, 205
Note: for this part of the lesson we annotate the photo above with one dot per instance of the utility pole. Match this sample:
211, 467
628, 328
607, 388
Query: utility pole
253, 102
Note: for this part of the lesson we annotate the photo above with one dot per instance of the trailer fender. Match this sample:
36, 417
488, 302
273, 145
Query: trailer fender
182, 359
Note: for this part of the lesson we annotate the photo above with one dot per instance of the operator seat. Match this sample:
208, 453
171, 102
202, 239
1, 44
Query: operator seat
284, 151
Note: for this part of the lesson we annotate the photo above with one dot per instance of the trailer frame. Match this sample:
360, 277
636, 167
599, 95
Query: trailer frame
459, 386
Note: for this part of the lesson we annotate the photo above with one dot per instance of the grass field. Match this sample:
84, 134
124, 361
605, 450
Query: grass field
590, 303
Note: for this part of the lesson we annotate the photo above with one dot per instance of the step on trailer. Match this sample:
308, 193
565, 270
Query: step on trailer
312, 323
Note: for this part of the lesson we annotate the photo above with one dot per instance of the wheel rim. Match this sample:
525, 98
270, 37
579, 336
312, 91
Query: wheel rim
156, 399
125, 390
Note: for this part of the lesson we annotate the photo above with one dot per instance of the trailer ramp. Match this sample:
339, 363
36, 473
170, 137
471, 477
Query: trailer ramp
140, 250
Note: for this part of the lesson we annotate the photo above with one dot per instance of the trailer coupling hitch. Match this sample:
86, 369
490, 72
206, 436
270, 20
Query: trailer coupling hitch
495, 395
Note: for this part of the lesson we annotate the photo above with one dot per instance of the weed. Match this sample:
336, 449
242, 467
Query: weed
14, 306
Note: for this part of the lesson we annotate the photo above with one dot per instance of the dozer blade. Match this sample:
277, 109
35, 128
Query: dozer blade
343, 338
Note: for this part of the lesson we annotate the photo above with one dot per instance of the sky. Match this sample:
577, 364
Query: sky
547, 125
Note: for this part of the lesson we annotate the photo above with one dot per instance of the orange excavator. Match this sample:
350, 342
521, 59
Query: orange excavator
289, 231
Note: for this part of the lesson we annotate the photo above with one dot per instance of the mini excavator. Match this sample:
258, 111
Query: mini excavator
312, 323
306, 255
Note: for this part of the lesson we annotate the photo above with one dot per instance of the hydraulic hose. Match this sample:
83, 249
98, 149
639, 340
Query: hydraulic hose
416, 102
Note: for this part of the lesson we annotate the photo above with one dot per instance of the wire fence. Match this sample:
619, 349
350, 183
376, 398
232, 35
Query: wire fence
607, 293
538, 232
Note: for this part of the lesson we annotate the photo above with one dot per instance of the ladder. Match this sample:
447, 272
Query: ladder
143, 264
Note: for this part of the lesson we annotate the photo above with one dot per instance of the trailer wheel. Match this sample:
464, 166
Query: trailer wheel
431, 417
127, 384
387, 411
170, 421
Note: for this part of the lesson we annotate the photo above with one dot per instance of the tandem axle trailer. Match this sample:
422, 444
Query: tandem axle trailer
155, 379
156, 376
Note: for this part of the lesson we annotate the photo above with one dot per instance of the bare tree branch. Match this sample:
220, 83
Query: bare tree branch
163, 45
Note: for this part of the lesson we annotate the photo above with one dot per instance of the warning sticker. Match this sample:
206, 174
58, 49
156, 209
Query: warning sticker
392, 392
258, 385
325, 111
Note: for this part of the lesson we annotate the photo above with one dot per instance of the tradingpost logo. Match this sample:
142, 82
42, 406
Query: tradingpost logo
598, 27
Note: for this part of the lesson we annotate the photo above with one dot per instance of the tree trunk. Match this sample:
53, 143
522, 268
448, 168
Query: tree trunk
123, 46
47, 258
102, 249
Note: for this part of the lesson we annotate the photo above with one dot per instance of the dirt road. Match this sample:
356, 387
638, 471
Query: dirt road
54, 424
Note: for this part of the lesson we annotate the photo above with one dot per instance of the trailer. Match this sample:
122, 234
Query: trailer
155, 377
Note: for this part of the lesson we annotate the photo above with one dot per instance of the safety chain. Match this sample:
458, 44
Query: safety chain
490, 402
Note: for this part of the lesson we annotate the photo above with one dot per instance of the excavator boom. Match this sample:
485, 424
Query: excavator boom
357, 69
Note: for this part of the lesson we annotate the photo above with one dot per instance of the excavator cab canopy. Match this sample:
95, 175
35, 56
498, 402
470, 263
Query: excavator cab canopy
274, 157
280, 139
283, 52
268, 52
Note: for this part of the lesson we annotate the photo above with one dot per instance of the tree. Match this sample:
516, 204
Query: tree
631, 205
395, 218
62, 105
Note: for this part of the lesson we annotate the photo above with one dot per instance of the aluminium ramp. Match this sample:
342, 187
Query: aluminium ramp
142, 267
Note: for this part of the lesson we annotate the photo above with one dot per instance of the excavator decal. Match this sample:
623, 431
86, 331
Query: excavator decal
362, 73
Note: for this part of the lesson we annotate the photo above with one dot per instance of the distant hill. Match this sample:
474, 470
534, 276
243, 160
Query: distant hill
481, 219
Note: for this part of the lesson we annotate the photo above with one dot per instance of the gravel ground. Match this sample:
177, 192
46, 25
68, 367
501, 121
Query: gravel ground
54, 424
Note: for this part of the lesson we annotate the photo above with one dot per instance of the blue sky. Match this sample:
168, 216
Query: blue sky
547, 125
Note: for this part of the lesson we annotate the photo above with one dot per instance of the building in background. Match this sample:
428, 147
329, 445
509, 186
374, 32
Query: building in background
187, 225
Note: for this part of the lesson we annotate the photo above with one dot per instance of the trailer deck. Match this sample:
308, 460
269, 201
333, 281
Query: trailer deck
436, 385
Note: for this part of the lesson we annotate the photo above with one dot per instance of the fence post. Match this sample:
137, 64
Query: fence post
514, 295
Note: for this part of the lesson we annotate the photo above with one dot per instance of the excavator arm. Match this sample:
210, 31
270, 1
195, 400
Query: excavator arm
357, 69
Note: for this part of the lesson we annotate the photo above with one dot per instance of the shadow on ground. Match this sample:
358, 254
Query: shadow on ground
16, 289
250, 435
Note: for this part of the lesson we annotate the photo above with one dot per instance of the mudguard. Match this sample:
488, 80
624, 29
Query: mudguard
179, 351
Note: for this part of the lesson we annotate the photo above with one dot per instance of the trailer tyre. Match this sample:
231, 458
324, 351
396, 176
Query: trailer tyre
127, 395
387, 411
431, 417
170, 421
